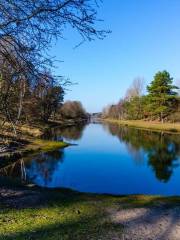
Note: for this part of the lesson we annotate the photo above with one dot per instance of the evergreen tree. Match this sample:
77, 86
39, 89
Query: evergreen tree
162, 97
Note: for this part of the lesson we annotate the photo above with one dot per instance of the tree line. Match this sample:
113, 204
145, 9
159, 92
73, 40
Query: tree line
162, 101
29, 90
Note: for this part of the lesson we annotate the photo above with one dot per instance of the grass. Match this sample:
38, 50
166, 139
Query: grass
68, 215
63, 215
157, 126
44, 146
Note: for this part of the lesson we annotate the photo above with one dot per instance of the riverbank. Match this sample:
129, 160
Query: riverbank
16, 151
28, 139
35, 213
36, 130
156, 126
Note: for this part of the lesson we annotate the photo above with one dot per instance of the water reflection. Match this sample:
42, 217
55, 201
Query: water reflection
16, 170
37, 169
41, 169
68, 133
162, 150
107, 159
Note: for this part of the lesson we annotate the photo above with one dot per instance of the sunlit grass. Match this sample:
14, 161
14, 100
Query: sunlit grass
39, 145
168, 127
46, 145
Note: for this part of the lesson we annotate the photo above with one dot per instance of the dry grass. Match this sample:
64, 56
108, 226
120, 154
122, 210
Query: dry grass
167, 127
22, 130
29, 130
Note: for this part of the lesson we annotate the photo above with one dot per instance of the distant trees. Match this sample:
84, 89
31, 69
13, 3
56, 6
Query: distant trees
161, 102
131, 107
73, 110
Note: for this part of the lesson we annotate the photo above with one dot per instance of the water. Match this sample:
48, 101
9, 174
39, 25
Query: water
106, 159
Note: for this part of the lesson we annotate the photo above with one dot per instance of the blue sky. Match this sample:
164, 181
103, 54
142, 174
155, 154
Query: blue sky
145, 38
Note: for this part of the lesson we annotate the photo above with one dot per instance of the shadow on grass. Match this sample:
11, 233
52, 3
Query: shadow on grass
64, 215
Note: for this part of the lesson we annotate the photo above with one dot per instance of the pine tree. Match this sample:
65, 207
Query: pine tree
162, 95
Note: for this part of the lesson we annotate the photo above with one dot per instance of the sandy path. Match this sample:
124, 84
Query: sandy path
157, 223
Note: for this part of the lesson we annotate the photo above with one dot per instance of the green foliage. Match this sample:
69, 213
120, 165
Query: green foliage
134, 108
162, 97
161, 103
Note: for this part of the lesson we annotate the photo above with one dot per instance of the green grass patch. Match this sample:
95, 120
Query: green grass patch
46, 145
39, 145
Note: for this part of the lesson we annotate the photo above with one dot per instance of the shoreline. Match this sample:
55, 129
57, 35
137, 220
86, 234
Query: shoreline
29, 139
33, 147
146, 125
136, 199
22, 146
37, 130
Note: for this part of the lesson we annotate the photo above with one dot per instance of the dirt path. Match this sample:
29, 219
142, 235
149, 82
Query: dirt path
156, 223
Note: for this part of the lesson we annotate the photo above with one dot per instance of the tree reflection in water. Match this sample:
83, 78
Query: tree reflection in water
41, 169
162, 149
16, 170
68, 133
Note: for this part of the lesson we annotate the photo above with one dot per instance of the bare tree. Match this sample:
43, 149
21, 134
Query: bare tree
36, 23
136, 88
27, 28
